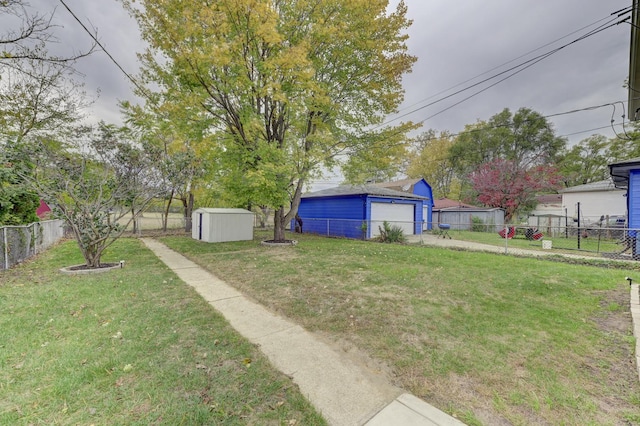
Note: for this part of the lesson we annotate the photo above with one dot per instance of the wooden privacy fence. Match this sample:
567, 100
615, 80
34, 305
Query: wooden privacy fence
19, 243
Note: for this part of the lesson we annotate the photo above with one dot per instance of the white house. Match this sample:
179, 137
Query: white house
594, 200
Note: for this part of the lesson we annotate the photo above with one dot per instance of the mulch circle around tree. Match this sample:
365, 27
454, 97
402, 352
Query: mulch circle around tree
279, 243
84, 269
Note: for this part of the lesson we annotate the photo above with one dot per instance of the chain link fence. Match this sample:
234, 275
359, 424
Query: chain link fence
352, 228
592, 240
597, 239
19, 243
149, 223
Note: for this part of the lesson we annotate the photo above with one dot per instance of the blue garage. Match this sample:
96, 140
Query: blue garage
357, 211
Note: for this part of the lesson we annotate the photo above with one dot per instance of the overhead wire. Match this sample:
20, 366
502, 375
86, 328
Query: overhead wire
516, 70
117, 64
513, 60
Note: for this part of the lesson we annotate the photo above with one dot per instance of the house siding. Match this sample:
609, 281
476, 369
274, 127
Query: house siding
594, 204
338, 216
423, 189
634, 200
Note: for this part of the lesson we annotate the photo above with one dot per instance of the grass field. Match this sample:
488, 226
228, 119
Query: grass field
491, 339
153, 221
134, 346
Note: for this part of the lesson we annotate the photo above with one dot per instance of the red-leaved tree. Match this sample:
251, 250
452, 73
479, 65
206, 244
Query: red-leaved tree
501, 183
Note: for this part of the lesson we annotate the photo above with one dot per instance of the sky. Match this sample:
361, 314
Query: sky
457, 44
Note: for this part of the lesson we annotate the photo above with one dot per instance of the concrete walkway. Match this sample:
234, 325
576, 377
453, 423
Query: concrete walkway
435, 241
345, 392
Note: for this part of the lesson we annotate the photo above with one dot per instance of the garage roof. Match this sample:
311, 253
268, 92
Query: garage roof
345, 190
602, 185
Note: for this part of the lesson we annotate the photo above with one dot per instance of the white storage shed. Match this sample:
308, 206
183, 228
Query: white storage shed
215, 225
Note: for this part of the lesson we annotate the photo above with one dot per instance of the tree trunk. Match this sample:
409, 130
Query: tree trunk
135, 221
264, 217
279, 224
165, 216
92, 255
188, 211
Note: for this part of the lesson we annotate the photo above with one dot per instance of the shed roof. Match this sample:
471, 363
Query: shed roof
222, 210
468, 209
346, 190
445, 203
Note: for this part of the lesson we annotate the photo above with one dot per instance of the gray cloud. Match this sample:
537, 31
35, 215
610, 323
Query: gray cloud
458, 41
454, 41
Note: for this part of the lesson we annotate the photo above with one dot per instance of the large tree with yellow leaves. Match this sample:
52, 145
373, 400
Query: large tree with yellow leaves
286, 86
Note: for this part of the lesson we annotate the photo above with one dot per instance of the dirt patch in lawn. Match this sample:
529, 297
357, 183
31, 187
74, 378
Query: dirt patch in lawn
616, 323
616, 317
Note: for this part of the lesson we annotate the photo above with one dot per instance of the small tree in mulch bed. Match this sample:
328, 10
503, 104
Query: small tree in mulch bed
99, 183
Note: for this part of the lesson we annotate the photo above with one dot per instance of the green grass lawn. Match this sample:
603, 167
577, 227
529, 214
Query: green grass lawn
486, 337
134, 346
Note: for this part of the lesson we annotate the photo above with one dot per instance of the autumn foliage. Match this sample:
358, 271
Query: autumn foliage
501, 183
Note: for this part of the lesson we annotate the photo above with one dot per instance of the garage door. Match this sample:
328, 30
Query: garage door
401, 215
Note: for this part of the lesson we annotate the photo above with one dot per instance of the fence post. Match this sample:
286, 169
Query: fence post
506, 239
6, 248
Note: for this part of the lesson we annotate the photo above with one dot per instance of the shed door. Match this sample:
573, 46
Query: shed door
401, 215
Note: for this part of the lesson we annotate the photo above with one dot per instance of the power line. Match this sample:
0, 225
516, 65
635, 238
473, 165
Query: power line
516, 70
523, 66
464, 132
514, 59
95, 39
544, 117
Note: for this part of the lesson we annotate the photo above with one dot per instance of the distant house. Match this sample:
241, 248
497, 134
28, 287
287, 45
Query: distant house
594, 200
548, 204
460, 215
416, 187
549, 216
43, 211
357, 211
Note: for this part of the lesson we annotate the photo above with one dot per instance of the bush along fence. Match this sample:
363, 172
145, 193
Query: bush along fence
19, 243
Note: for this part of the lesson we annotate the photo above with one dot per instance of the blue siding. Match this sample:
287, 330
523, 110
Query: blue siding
633, 202
423, 189
335, 216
